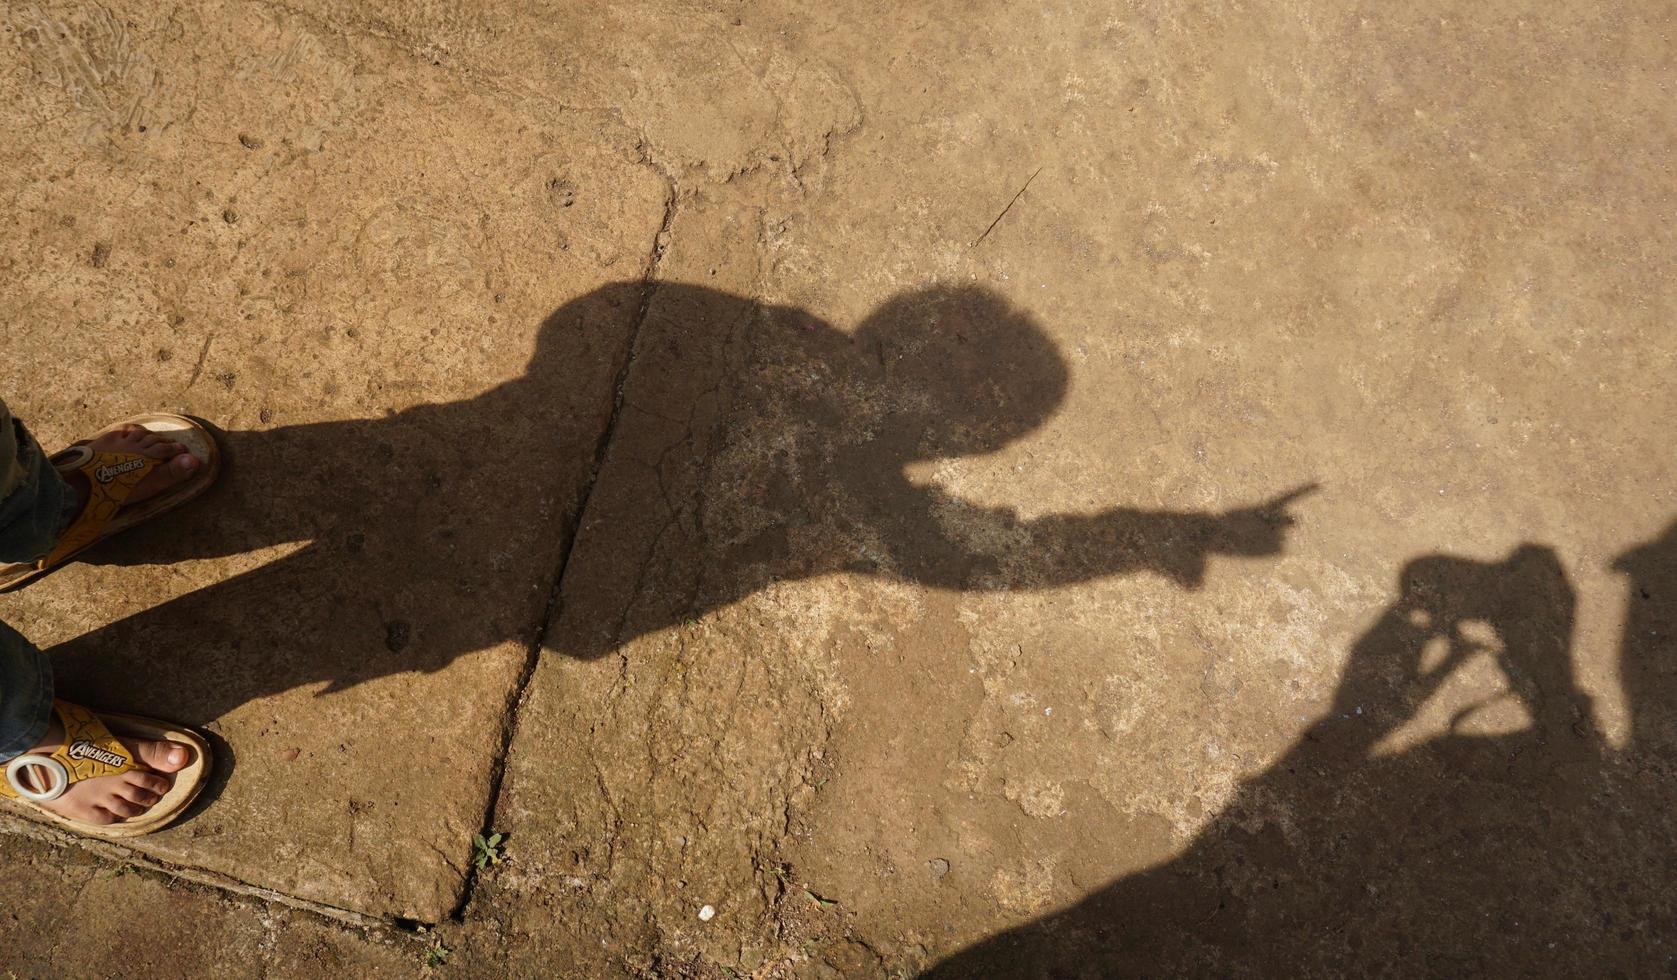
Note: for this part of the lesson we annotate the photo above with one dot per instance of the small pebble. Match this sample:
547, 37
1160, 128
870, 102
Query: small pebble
707, 913
938, 867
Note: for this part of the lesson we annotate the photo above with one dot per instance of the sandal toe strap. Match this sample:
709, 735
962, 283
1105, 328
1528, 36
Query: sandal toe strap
89, 751
111, 478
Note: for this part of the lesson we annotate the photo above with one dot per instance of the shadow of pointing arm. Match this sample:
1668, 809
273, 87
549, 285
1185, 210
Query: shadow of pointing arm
962, 546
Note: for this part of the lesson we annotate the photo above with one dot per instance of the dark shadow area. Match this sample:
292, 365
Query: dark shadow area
1545, 852
757, 443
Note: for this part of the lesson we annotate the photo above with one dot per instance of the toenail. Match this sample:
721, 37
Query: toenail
177, 755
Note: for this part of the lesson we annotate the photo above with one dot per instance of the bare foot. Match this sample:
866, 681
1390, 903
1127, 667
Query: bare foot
139, 439
110, 799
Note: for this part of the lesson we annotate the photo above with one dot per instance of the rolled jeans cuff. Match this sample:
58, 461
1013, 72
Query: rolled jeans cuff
25, 694
38, 505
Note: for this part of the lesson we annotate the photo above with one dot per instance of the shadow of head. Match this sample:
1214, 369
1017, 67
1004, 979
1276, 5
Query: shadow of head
1519, 611
960, 370
1530, 584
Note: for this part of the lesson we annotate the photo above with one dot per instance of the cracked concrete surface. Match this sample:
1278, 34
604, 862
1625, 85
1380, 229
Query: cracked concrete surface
649, 443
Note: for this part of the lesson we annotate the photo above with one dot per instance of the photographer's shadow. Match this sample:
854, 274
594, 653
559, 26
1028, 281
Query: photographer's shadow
774, 447
1515, 842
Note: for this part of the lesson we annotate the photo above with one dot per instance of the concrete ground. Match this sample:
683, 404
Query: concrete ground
865, 489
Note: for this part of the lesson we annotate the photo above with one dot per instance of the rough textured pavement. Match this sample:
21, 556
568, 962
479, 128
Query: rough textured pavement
987, 489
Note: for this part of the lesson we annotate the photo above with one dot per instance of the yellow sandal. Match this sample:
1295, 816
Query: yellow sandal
111, 477
90, 750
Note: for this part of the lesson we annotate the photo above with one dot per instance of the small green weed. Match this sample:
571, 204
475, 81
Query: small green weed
825, 903
437, 954
486, 850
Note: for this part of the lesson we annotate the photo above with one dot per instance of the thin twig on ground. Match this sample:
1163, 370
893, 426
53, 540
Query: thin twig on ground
1009, 207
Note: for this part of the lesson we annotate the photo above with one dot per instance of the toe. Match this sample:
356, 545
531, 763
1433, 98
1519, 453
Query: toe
163, 756
137, 794
120, 808
154, 783
180, 465
183, 464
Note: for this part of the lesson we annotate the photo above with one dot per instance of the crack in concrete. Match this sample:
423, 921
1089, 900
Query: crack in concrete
550, 616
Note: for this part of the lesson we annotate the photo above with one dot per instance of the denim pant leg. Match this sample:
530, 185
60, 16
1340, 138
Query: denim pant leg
25, 694
34, 506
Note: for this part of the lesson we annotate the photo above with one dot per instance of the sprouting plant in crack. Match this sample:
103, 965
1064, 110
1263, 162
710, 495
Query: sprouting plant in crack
820, 900
436, 954
486, 851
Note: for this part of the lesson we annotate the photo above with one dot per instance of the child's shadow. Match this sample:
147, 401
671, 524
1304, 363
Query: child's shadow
770, 447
